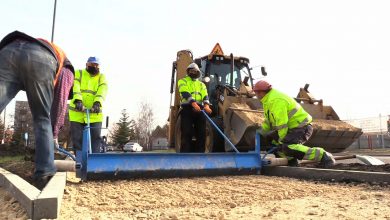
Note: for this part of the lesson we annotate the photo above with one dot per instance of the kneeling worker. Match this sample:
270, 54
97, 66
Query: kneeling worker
287, 124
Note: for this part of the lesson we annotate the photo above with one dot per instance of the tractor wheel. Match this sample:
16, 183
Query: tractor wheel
214, 141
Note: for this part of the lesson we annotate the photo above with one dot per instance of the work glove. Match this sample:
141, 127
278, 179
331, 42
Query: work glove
207, 109
79, 105
272, 136
195, 106
96, 107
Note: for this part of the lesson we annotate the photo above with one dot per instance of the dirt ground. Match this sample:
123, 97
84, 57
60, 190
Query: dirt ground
233, 197
223, 197
9, 207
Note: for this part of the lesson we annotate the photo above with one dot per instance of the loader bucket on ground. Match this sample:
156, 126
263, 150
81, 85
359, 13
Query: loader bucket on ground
241, 123
333, 135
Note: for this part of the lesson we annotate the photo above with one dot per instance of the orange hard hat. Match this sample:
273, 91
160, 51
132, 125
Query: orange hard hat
262, 86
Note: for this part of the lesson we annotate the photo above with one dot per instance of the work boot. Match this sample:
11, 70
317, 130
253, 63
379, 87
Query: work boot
327, 160
293, 162
40, 182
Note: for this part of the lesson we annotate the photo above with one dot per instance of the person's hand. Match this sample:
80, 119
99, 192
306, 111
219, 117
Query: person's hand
272, 136
79, 105
207, 109
195, 106
56, 142
96, 107
56, 145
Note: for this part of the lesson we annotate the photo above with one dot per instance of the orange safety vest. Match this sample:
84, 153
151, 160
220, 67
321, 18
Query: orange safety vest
60, 55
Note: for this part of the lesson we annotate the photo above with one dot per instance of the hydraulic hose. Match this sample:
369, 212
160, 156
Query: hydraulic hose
63, 151
220, 132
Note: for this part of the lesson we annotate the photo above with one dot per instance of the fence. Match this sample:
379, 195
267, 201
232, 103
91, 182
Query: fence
375, 132
371, 141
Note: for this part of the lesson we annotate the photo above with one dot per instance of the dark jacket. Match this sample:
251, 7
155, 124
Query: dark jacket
20, 35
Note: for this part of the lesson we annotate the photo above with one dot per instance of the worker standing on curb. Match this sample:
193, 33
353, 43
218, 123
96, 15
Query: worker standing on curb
89, 92
194, 97
288, 126
39, 68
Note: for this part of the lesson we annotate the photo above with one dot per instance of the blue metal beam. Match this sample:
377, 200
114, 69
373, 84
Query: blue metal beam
124, 165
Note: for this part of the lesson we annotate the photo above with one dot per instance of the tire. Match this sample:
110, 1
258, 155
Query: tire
214, 141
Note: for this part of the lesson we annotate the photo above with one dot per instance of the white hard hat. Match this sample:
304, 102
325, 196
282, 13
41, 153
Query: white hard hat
193, 66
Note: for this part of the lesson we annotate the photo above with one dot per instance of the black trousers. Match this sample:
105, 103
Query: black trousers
76, 130
192, 124
296, 136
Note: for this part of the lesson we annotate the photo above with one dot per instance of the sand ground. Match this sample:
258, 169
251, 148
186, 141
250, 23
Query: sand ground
223, 197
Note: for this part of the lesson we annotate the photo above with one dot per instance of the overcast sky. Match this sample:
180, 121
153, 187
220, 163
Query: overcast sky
341, 48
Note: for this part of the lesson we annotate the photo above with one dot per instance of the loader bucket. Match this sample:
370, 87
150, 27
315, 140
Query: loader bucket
333, 135
241, 123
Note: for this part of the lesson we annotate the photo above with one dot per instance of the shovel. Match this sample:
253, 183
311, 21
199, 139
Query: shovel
368, 160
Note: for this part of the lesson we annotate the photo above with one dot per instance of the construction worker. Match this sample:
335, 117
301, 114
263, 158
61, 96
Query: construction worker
42, 70
288, 126
89, 92
194, 98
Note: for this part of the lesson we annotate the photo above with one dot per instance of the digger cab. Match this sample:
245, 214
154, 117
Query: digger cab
223, 72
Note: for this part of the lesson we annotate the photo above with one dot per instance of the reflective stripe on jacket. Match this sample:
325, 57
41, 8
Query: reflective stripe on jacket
282, 113
88, 89
192, 91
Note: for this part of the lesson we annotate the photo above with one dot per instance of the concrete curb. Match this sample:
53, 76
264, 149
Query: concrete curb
38, 204
327, 174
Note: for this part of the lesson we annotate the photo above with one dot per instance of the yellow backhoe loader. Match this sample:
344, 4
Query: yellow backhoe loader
238, 113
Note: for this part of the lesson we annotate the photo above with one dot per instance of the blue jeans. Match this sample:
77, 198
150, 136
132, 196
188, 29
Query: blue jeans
30, 67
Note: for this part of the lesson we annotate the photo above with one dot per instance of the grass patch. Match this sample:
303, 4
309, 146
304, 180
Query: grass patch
5, 159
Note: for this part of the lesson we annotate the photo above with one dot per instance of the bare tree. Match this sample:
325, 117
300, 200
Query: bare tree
144, 124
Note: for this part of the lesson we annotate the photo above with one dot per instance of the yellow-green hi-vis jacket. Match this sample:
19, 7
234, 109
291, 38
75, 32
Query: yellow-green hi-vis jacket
89, 89
282, 113
192, 90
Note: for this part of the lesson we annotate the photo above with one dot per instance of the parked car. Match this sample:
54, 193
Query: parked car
132, 147
103, 144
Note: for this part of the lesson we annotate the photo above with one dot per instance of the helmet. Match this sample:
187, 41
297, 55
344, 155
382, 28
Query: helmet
193, 66
93, 60
262, 86
193, 71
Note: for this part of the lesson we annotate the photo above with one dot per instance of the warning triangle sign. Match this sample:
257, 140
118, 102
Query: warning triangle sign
217, 50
